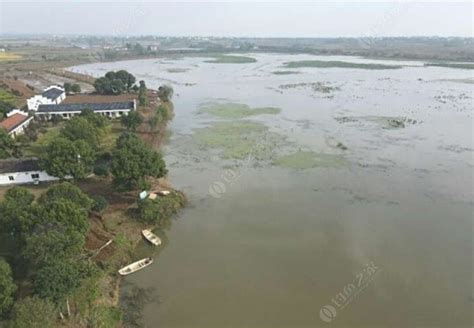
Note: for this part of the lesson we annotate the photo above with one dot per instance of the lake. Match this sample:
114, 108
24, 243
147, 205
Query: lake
349, 203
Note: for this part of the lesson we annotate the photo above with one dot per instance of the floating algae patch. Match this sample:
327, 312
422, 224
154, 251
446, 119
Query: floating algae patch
231, 60
235, 111
302, 160
337, 64
315, 86
177, 70
285, 72
239, 139
386, 122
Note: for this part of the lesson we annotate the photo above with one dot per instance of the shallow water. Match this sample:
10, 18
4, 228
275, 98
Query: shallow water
385, 239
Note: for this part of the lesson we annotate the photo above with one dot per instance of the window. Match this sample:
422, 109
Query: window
35, 176
11, 178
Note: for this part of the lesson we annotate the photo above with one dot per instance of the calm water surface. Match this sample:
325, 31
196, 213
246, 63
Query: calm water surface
384, 241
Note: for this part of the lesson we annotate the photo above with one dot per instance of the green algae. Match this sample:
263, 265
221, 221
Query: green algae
337, 64
285, 72
226, 59
386, 122
239, 139
235, 111
302, 160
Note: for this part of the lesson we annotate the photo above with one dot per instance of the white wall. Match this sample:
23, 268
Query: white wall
24, 177
21, 128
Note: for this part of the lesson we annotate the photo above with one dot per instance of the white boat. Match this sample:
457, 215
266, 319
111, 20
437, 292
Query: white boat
136, 266
151, 237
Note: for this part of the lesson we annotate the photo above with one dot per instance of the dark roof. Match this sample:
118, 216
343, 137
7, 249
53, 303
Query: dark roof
19, 165
52, 93
12, 122
79, 107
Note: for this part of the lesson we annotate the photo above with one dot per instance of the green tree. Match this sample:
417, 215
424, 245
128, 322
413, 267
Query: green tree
142, 94
66, 214
7, 145
16, 212
99, 121
131, 121
33, 312
7, 287
76, 88
64, 158
127, 78
83, 128
47, 243
67, 87
58, 279
133, 161
66, 191
165, 93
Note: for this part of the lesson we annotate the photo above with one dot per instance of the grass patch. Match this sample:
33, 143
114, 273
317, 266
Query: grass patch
285, 72
452, 65
302, 160
337, 64
239, 139
226, 59
236, 111
8, 56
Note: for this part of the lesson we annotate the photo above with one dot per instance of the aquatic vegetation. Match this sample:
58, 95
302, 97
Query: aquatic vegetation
386, 122
452, 65
235, 111
315, 86
285, 72
177, 70
239, 139
337, 64
230, 59
302, 160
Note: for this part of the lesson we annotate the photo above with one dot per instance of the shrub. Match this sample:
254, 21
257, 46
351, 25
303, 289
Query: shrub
101, 170
100, 204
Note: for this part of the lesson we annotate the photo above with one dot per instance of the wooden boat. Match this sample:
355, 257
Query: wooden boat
136, 266
151, 237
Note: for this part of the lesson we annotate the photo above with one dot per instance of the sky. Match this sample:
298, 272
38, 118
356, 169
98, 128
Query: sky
238, 18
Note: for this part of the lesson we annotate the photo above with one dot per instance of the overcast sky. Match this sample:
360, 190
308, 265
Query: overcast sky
238, 18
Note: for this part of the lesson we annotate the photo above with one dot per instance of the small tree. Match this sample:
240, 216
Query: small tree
133, 161
33, 312
132, 121
7, 146
66, 191
7, 287
165, 93
58, 279
142, 94
76, 88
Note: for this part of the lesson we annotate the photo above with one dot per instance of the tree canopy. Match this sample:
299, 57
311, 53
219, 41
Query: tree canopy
7, 287
131, 121
64, 158
133, 161
114, 83
33, 312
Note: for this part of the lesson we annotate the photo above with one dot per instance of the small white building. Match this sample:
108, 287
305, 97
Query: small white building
66, 111
16, 122
22, 171
52, 95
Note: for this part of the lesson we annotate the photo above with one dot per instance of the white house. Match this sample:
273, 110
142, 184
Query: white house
22, 171
51, 95
16, 122
66, 111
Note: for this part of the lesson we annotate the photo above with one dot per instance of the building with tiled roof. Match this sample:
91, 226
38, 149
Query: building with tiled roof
16, 122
